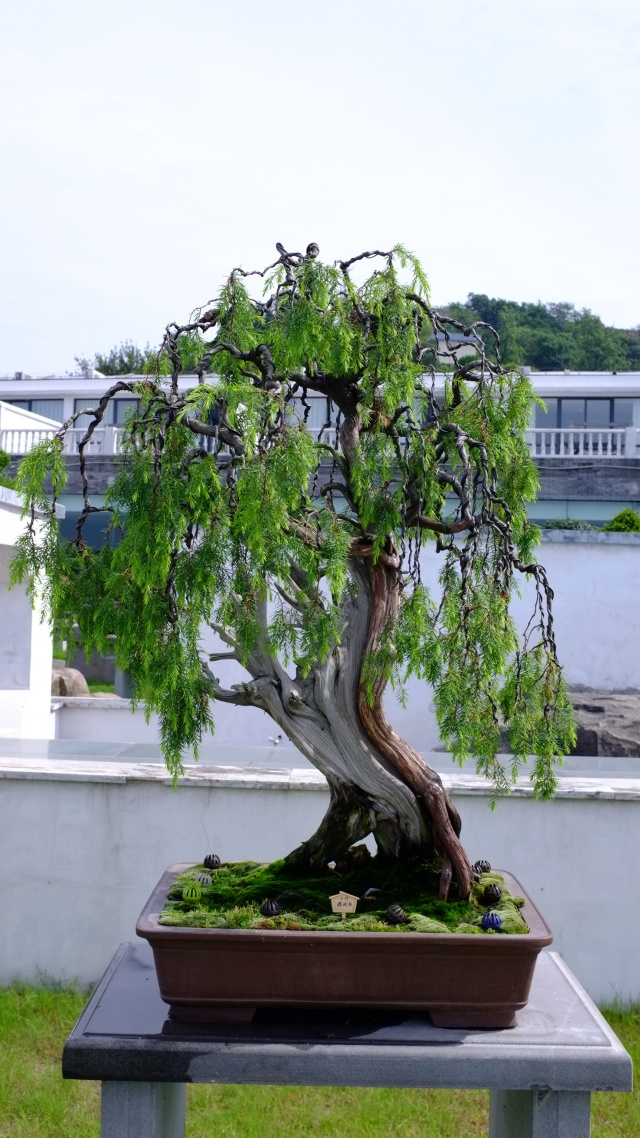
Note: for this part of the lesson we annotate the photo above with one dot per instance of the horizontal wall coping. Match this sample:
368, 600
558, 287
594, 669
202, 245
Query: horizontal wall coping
590, 537
12, 500
293, 778
108, 702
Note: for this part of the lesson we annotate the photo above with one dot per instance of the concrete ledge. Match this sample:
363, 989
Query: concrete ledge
109, 702
589, 537
291, 778
12, 500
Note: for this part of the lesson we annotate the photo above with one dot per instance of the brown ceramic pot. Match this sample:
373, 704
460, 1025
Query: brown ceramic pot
462, 980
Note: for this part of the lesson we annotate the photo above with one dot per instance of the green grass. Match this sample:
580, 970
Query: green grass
100, 685
35, 1102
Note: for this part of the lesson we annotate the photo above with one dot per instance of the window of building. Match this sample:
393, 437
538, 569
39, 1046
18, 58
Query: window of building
49, 408
115, 413
586, 414
571, 413
121, 408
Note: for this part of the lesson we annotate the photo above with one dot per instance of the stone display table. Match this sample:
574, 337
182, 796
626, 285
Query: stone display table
540, 1073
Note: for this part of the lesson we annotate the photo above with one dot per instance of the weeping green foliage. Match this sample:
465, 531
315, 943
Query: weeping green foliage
228, 508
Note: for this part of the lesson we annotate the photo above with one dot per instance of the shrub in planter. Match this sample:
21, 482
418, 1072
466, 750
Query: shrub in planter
569, 523
627, 521
302, 547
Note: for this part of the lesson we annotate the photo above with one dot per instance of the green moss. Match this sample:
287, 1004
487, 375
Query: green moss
421, 924
238, 889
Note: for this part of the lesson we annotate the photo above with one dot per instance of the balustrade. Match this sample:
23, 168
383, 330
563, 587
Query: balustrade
558, 442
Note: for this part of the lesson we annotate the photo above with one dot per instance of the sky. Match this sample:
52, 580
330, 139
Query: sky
148, 147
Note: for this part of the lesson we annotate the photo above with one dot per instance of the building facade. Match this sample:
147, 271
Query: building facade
585, 440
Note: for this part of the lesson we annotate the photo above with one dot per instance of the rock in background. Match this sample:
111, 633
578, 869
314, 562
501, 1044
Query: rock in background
68, 681
608, 723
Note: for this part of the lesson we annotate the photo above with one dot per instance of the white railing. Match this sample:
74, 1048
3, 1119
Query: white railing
558, 442
20, 440
543, 442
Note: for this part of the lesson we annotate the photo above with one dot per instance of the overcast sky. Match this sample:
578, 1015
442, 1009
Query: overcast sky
148, 146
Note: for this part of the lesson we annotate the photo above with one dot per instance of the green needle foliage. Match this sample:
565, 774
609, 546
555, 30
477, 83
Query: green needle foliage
228, 508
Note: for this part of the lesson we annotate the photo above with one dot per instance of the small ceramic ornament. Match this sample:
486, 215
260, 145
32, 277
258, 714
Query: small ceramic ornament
204, 879
211, 861
192, 892
480, 867
270, 907
492, 921
395, 915
491, 895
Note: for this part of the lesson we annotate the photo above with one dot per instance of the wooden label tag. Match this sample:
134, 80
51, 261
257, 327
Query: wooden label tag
344, 903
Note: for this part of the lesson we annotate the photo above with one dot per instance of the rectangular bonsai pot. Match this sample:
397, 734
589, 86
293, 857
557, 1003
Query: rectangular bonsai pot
224, 975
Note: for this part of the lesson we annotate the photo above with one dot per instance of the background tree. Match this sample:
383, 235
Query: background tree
304, 552
124, 359
551, 337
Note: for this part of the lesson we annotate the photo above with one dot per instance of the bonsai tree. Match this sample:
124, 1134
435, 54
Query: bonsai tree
303, 551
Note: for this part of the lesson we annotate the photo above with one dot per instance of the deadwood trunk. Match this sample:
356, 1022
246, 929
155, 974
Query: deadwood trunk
378, 784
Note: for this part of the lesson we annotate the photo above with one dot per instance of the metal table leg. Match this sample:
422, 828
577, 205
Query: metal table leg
143, 1110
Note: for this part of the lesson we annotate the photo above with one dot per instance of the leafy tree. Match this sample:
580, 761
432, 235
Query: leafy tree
124, 359
551, 337
5, 479
304, 552
597, 348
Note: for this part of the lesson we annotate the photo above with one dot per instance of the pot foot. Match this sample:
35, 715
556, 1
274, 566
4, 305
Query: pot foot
489, 1018
224, 1014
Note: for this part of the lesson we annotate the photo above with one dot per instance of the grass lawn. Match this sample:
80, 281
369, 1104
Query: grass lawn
36, 1103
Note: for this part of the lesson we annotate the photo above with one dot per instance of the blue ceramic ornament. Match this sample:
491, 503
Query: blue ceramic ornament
492, 921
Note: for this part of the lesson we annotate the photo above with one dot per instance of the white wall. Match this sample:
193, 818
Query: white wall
81, 846
25, 643
597, 616
597, 620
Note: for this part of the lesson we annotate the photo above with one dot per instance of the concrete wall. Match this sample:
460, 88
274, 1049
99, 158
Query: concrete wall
597, 616
587, 480
25, 643
82, 844
597, 619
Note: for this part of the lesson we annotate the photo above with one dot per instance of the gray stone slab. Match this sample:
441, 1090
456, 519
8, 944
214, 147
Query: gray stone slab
561, 1043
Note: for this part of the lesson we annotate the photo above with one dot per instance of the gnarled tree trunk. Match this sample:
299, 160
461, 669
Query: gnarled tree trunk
378, 784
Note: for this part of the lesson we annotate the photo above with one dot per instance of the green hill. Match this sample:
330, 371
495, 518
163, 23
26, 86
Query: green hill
551, 337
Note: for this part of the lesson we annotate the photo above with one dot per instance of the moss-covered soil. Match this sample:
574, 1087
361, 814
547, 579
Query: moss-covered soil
237, 890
